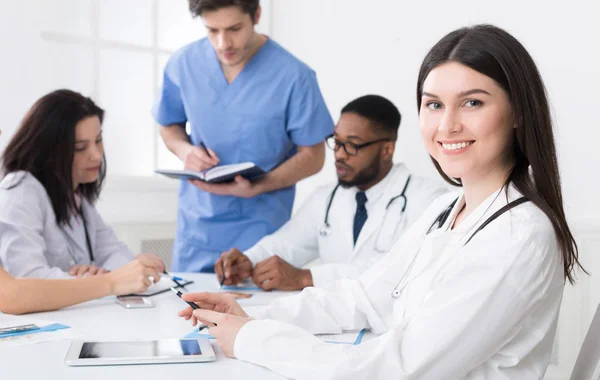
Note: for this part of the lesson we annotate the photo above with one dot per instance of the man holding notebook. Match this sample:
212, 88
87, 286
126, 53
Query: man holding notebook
349, 224
244, 99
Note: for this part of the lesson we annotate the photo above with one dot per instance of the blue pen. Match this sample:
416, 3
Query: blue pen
175, 279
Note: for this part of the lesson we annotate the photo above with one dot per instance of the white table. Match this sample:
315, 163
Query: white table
103, 319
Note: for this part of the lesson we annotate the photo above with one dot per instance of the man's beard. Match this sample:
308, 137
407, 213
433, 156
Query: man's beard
365, 176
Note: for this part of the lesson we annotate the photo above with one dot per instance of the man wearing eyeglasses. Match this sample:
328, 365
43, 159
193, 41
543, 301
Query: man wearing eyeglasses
349, 224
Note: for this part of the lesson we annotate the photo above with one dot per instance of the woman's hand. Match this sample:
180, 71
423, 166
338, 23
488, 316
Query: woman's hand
224, 327
154, 260
220, 302
134, 277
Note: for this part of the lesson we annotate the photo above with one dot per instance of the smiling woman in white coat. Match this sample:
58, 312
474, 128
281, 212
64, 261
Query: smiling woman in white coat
53, 171
473, 289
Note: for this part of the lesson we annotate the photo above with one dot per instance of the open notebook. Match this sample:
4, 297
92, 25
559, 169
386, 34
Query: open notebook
18, 330
217, 174
164, 285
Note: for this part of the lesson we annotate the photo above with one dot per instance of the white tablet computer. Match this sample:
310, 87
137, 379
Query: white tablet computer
139, 352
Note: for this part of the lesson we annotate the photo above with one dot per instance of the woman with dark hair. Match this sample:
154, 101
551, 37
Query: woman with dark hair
53, 170
473, 289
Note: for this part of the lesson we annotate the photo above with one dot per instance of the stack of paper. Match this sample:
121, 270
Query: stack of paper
16, 330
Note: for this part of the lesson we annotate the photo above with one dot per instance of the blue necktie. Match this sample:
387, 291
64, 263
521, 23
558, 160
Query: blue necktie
361, 214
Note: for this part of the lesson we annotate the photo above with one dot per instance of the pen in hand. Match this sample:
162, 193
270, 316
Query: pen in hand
205, 149
192, 305
223, 278
175, 280
179, 294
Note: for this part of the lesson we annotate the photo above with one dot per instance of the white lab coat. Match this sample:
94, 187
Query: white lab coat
33, 245
299, 241
486, 310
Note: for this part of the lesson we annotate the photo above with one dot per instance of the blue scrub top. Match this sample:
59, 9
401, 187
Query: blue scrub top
270, 108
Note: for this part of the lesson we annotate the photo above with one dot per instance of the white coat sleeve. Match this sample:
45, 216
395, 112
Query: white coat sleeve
109, 252
297, 240
329, 310
22, 244
422, 193
456, 328
324, 274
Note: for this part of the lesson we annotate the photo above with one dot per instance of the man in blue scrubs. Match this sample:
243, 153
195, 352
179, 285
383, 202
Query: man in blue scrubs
246, 99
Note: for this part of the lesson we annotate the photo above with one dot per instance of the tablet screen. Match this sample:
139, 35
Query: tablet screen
143, 349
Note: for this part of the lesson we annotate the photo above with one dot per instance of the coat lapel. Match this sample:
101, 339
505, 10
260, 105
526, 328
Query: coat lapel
74, 234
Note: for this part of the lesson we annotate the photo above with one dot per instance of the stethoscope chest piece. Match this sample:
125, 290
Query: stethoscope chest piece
324, 230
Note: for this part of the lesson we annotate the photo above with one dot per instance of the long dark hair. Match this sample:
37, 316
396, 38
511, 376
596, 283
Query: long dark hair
44, 145
495, 53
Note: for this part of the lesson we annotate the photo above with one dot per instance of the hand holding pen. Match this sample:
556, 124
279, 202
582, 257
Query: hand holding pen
233, 267
198, 158
228, 298
193, 306
221, 302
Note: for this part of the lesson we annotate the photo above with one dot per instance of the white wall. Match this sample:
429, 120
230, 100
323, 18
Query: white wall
20, 81
376, 46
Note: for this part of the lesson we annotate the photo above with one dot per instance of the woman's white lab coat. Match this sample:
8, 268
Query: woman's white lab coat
302, 240
33, 245
486, 310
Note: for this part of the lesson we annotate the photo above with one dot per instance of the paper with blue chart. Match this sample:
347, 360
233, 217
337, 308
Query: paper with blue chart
43, 331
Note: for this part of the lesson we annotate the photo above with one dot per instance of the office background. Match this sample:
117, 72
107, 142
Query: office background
114, 50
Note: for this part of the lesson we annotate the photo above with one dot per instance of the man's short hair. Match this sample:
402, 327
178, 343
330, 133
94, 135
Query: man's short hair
378, 110
197, 7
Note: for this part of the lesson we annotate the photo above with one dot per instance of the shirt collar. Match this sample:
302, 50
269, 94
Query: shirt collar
489, 206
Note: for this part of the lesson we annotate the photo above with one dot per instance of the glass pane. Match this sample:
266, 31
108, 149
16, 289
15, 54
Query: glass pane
176, 27
165, 159
70, 17
70, 66
162, 62
126, 21
126, 92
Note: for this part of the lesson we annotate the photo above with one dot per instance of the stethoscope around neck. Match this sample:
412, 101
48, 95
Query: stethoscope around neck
439, 223
325, 229
88, 242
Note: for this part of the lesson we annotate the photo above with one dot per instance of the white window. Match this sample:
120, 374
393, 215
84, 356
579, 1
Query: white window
114, 51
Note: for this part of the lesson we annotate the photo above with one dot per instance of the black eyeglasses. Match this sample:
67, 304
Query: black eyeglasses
350, 148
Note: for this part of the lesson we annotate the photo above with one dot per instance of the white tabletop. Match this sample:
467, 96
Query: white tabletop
105, 320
